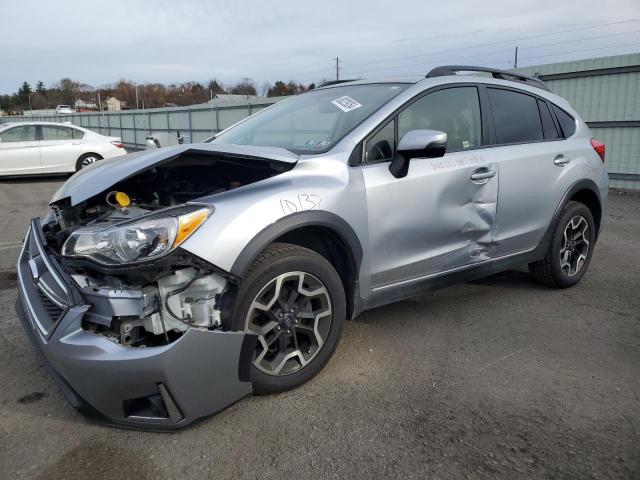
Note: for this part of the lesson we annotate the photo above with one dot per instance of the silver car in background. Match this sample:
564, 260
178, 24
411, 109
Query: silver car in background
164, 287
37, 148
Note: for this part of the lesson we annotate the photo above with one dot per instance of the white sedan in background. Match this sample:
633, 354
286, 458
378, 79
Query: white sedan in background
48, 147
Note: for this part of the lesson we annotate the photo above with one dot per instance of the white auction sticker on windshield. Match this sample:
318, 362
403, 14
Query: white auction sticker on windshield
346, 104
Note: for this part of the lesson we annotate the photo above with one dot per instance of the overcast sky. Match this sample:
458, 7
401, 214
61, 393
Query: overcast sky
173, 41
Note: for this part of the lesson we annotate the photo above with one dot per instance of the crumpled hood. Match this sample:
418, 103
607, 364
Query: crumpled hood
98, 177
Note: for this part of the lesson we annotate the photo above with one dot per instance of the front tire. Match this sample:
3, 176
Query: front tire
294, 300
571, 248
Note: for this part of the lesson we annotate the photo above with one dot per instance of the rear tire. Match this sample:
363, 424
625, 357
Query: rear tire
86, 160
294, 300
571, 248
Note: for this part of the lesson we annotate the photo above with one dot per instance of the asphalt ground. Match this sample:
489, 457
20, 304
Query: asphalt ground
499, 378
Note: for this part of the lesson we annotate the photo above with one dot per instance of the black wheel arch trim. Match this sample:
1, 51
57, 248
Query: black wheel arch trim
309, 218
584, 184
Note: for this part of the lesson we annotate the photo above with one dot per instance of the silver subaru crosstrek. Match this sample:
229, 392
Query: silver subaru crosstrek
164, 286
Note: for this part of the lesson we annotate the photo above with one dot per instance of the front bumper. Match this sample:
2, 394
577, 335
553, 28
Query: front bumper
162, 388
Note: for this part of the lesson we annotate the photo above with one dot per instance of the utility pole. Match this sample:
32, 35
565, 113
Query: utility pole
337, 59
246, 85
515, 60
99, 102
137, 106
30, 107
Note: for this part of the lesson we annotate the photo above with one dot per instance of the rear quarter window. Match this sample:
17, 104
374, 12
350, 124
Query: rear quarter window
566, 121
548, 125
77, 134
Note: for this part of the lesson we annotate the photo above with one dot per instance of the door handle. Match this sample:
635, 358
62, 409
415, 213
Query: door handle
561, 160
482, 175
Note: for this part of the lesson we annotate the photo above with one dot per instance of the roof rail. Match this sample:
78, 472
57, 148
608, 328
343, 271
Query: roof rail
495, 73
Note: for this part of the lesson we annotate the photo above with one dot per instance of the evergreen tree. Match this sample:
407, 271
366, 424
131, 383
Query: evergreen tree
25, 89
215, 87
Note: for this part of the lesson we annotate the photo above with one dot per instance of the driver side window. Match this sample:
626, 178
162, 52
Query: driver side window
455, 111
24, 133
382, 146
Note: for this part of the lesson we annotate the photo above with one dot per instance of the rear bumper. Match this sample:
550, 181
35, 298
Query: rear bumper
115, 152
161, 388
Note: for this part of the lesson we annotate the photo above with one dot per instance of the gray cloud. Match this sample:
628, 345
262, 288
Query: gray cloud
100, 42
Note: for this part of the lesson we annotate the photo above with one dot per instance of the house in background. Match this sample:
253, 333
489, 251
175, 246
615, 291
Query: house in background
112, 104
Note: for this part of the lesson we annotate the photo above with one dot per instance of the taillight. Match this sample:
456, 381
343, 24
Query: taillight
117, 144
599, 147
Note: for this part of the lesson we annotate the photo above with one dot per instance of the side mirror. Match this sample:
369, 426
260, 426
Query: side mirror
417, 144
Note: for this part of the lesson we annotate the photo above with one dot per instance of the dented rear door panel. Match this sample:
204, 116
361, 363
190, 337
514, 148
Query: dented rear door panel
531, 188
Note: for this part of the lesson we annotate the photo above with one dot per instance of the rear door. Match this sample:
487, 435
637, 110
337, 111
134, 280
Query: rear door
438, 217
532, 155
59, 148
19, 153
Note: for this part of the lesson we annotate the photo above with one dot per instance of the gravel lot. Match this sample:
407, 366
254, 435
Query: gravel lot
499, 378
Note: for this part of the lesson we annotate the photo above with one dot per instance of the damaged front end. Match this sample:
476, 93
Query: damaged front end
134, 329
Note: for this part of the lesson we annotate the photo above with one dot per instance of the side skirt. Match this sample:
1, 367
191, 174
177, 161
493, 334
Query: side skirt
410, 288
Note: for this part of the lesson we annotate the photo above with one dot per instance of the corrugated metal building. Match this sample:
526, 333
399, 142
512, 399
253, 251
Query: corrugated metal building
606, 93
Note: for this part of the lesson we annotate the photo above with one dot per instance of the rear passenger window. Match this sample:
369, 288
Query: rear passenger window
516, 116
566, 121
51, 132
548, 125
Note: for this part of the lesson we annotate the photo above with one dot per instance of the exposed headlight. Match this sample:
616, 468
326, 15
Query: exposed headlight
133, 242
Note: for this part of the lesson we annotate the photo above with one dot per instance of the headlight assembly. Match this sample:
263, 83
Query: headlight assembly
136, 241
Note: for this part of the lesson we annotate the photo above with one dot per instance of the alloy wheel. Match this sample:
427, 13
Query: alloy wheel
88, 161
292, 317
574, 248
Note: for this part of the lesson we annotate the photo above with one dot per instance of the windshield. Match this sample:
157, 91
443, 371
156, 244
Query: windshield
314, 121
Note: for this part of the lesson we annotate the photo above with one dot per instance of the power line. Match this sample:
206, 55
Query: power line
512, 40
494, 43
506, 51
580, 51
546, 55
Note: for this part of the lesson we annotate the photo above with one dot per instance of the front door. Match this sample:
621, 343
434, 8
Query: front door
441, 215
19, 152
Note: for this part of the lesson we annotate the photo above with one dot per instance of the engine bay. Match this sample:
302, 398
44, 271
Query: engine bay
170, 183
154, 313
153, 303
